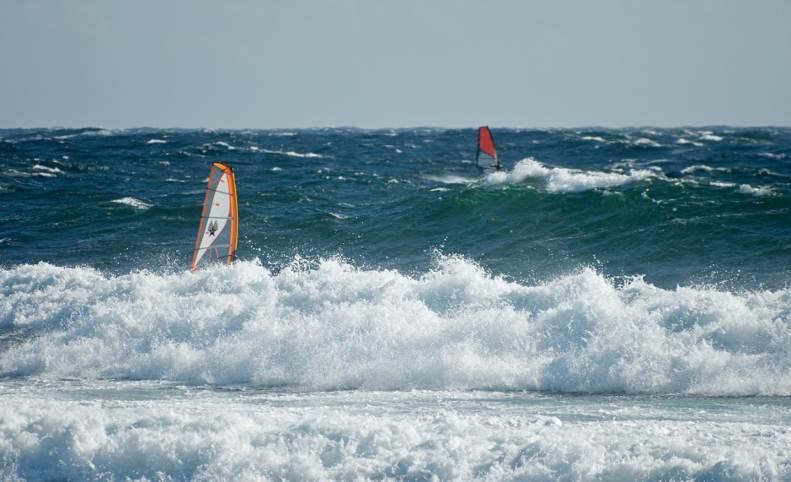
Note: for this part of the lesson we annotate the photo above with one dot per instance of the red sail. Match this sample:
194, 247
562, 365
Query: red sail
485, 141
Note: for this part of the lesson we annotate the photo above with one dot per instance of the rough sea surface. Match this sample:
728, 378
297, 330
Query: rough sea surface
614, 305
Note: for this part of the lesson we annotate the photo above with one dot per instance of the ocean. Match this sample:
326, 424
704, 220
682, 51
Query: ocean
615, 304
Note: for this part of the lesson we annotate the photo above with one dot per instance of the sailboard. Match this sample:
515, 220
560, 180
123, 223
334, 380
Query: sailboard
218, 230
486, 156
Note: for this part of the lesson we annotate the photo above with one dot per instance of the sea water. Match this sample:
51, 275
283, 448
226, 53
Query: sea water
613, 305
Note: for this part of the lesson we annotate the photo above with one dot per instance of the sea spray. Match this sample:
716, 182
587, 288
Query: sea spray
329, 324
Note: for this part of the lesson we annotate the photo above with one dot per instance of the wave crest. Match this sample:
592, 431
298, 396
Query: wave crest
564, 180
329, 324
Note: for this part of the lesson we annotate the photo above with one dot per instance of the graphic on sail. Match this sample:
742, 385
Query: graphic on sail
218, 230
486, 156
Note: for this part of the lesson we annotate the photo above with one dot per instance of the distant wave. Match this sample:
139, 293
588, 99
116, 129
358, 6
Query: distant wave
644, 141
703, 167
757, 191
293, 154
684, 141
338, 216
772, 155
722, 184
91, 133
48, 169
41, 171
709, 136
132, 202
156, 141
563, 180
329, 324
594, 139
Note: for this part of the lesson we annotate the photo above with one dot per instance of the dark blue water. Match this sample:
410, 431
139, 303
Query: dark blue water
678, 206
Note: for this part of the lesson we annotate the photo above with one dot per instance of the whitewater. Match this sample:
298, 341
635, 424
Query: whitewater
613, 305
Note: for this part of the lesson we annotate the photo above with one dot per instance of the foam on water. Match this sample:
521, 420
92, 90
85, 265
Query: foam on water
644, 141
225, 145
450, 179
370, 436
132, 202
684, 141
703, 167
333, 325
757, 191
564, 180
594, 139
772, 155
36, 173
47, 169
722, 184
308, 155
709, 136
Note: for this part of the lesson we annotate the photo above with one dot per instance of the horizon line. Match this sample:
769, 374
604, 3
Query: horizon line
492, 126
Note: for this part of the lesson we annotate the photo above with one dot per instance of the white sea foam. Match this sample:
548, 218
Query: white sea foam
48, 169
156, 141
757, 191
703, 167
334, 325
561, 179
709, 136
594, 139
18, 173
132, 202
772, 155
310, 155
644, 141
722, 184
91, 133
225, 145
450, 179
684, 141
379, 436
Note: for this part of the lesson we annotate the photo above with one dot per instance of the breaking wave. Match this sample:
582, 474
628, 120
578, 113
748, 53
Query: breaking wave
328, 324
308, 155
703, 167
132, 202
564, 180
757, 191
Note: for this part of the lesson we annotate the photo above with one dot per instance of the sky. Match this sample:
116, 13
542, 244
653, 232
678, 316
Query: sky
387, 63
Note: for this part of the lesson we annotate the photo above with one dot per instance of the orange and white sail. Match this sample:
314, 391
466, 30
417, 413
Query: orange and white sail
486, 156
218, 230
